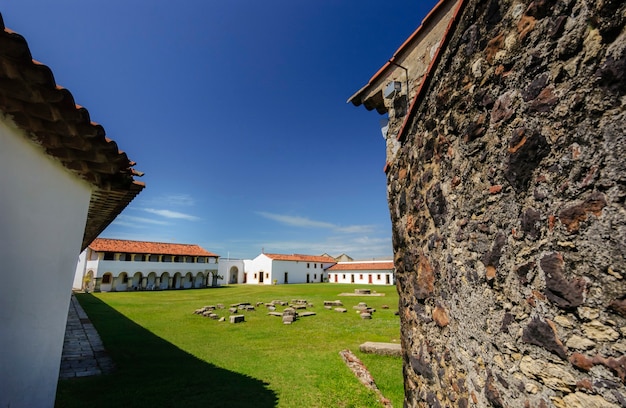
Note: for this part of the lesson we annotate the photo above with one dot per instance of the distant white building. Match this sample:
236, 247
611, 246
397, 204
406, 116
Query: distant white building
363, 272
115, 265
267, 269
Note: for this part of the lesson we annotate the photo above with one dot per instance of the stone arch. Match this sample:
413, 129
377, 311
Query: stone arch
137, 281
199, 280
151, 281
187, 281
88, 281
177, 281
120, 283
165, 280
233, 275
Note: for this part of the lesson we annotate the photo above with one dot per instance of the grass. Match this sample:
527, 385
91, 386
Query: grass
166, 356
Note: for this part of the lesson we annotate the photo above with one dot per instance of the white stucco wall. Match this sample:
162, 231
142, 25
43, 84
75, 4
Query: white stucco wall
134, 268
228, 267
43, 211
361, 277
297, 271
260, 264
275, 269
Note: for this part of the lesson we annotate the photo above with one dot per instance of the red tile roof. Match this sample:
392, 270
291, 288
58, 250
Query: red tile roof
50, 118
301, 258
144, 247
360, 266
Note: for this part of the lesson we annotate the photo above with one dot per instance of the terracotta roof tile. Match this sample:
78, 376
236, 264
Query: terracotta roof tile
301, 258
360, 266
48, 116
144, 247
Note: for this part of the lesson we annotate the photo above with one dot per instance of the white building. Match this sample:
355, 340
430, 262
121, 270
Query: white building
267, 269
232, 271
363, 272
62, 183
115, 265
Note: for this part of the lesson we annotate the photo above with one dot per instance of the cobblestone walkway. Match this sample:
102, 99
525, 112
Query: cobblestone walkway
83, 352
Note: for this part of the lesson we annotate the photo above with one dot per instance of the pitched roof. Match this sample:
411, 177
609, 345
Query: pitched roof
402, 52
144, 247
375, 101
301, 258
360, 266
49, 117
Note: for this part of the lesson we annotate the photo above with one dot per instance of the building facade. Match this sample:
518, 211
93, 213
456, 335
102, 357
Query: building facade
268, 269
362, 272
114, 265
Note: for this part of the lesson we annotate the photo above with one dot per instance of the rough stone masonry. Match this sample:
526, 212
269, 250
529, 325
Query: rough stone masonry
507, 199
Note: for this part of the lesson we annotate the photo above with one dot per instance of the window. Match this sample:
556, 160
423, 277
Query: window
361, 276
315, 266
140, 258
314, 276
126, 257
201, 259
267, 275
106, 278
166, 258
255, 276
344, 276
308, 265
109, 256
154, 258
378, 277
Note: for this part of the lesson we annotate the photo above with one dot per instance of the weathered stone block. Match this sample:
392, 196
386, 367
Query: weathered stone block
237, 318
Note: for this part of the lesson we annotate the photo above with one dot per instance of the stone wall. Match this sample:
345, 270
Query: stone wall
507, 201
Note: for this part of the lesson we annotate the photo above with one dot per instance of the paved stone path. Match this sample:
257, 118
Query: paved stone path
83, 351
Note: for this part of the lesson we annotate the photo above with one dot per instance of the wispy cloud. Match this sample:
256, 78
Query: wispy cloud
172, 214
180, 200
303, 222
133, 221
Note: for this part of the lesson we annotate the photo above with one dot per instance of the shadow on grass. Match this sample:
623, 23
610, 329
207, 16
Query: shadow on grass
151, 372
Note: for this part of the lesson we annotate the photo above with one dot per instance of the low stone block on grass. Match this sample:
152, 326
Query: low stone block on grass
237, 318
341, 310
382, 349
333, 303
305, 314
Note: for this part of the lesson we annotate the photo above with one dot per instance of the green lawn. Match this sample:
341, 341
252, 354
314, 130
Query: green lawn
166, 356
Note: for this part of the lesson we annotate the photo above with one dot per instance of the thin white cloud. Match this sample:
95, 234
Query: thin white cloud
172, 214
133, 221
303, 222
181, 200
296, 221
358, 248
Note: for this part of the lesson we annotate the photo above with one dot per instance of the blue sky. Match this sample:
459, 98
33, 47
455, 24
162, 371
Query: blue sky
236, 112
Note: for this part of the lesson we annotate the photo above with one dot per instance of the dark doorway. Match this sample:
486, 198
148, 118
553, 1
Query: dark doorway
286, 277
261, 277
